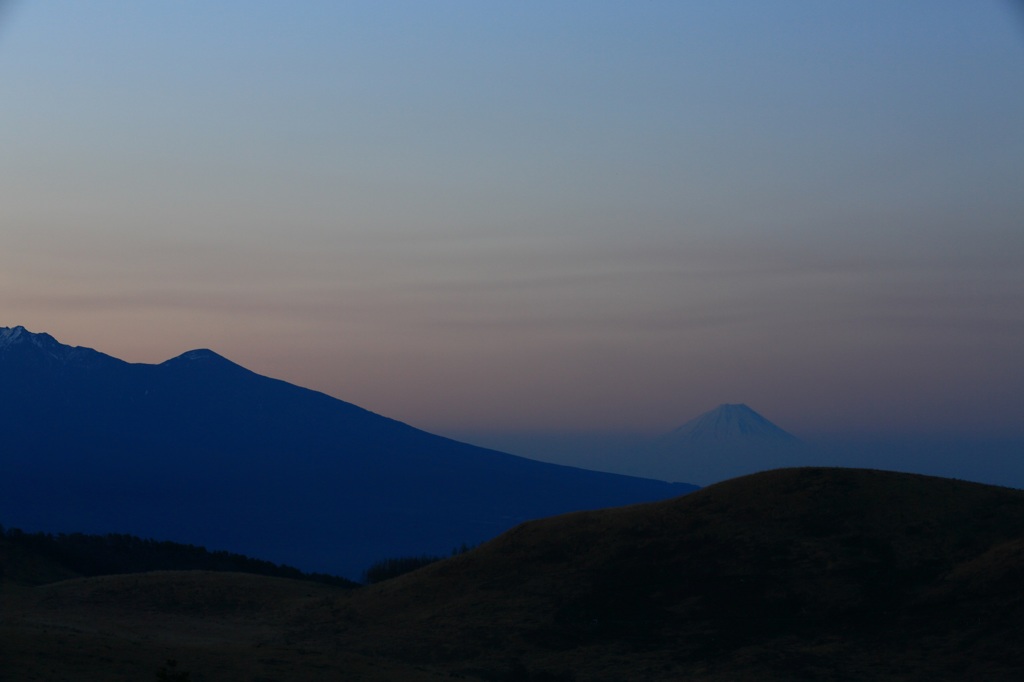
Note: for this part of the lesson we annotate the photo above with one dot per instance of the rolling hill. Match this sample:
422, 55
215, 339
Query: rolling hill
817, 574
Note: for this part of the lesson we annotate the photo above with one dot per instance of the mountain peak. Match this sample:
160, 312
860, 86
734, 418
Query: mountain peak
200, 359
731, 421
200, 354
19, 337
19, 345
10, 336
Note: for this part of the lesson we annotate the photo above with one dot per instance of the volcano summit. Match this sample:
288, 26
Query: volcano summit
730, 440
731, 422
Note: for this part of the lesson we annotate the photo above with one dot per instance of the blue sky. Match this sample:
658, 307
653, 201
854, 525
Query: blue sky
562, 216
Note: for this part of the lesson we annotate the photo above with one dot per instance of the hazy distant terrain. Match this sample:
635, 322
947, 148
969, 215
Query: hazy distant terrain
675, 456
823, 574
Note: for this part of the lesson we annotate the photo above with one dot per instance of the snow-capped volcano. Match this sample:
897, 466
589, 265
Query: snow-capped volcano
730, 440
730, 421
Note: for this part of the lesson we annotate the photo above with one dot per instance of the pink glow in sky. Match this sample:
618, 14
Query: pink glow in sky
533, 215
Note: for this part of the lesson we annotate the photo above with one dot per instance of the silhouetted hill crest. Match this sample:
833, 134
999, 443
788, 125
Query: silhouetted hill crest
198, 355
798, 573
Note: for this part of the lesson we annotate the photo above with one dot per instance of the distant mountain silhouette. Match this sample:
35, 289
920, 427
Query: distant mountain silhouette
731, 422
730, 440
201, 450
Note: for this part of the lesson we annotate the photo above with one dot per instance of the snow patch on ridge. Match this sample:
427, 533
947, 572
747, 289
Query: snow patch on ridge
11, 335
16, 336
18, 339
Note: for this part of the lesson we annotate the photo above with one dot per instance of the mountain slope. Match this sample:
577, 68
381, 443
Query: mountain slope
201, 450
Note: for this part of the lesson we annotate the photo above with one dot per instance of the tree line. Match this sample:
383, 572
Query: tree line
92, 555
385, 569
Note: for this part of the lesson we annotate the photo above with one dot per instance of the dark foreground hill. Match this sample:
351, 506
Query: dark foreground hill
200, 450
802, 574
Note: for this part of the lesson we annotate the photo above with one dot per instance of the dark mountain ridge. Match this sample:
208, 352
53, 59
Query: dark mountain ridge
200, 450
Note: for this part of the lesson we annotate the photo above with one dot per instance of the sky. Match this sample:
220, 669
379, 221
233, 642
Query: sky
534, 216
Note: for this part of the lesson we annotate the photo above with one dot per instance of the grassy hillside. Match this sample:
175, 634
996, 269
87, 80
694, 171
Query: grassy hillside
215, 626
804, 572
817, 574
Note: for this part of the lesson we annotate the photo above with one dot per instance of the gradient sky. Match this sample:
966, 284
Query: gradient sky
562, 216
